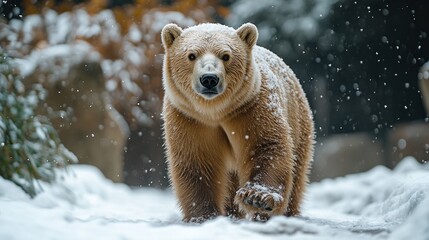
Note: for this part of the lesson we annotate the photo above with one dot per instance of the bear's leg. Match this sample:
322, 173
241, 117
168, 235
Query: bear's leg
303, 157
266, 181
195, 154
199, 188
231, 208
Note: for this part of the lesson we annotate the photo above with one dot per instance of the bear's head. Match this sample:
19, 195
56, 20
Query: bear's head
209, 67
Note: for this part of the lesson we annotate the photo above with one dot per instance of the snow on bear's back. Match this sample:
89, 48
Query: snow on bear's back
268, 60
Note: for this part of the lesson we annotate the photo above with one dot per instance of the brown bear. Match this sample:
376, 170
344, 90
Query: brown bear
238, 127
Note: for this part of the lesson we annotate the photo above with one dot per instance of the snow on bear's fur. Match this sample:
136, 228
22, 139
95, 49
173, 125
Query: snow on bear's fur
238, 128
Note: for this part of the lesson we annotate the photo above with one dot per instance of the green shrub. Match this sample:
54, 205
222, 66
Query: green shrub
30, 148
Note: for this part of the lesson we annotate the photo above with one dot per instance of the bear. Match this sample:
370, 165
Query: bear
238, 128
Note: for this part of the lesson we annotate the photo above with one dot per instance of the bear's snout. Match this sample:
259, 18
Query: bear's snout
208, 76
209, 81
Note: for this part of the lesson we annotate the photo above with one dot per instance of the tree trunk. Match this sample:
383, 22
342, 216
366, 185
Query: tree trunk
424, 85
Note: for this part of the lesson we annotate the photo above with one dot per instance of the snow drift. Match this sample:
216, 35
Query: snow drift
378, 204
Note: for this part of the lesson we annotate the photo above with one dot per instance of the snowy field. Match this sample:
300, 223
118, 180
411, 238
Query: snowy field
378, 204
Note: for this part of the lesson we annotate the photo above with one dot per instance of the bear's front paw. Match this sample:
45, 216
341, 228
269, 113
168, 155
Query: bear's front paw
259, 200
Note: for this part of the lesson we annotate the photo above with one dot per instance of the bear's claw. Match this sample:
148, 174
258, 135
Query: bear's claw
259, 199
256, 201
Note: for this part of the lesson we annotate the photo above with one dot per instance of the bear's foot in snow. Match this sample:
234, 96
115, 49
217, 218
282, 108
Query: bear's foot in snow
201, 219
259, 202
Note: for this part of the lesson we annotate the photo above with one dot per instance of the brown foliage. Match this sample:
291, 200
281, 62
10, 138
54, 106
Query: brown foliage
130, 42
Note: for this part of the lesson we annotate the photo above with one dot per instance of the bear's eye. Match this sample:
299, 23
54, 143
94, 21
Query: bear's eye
225, 57
191, 57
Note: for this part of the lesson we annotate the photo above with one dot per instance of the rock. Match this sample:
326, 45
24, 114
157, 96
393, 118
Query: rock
341, 154
408, 139
81, 111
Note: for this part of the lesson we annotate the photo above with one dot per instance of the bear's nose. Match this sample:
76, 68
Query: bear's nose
209, 80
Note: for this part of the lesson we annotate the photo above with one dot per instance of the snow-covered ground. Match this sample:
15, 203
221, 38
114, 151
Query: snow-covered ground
378, 204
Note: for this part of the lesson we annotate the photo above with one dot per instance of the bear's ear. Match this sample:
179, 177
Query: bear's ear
248, 33
169, 33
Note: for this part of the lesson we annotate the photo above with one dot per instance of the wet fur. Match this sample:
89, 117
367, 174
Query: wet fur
221, 151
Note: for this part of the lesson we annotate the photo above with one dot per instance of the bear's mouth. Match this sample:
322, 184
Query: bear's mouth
210, 92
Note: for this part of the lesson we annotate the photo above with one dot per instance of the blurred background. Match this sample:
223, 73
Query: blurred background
361, 64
